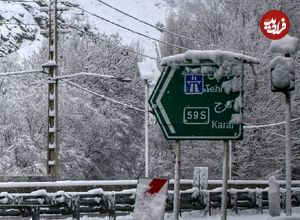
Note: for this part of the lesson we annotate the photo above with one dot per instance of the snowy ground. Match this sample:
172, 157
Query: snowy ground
193, 215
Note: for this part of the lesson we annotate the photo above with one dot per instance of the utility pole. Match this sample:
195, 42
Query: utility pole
53, 148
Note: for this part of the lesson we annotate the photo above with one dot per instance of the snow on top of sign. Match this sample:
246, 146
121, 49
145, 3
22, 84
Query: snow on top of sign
217, 56
286, 44
283, 69
229, 68
234, 85
148, 69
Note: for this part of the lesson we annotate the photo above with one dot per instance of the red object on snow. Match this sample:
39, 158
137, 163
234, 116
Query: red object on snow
156, 185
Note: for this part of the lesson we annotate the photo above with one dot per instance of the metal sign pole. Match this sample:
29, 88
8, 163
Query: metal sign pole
177, 181
288, 174
225, 181
230, 161
146, 130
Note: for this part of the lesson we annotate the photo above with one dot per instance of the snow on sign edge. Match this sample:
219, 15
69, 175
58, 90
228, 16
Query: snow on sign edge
217, 56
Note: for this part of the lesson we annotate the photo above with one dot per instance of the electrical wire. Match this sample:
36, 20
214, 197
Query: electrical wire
14, 23
146, 23
128, 29
21, 72
85, 74
104, 97
280, 135
143, 35
107, 41
268, 125
159, 28
18, 1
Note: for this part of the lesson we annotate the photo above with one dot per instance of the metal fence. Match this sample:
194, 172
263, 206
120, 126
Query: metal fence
20, 200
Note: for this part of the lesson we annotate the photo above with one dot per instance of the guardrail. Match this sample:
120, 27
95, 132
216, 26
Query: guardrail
21, 201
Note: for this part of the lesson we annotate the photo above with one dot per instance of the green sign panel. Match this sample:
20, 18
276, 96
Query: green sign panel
202, 101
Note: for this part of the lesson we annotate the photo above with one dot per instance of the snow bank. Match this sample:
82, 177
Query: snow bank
217, 56
283, 72
197, 215
285, 218
286, 44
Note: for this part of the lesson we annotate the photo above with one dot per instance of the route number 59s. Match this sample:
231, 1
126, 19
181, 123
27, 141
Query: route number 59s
196, 115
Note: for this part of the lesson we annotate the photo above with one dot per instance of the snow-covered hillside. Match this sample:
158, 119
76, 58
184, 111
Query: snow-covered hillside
28, 38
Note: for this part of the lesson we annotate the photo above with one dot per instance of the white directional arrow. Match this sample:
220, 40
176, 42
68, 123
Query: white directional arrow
160, 106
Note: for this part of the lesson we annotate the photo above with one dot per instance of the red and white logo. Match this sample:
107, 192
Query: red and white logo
275, 24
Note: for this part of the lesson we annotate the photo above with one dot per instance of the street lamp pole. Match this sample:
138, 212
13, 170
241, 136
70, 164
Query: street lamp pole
147, 70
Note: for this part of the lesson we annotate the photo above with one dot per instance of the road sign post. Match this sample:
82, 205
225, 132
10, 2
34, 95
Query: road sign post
225, 181
176, 201
199, 96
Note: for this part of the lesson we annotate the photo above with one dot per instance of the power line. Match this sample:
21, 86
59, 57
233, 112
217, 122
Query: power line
269, 125
104, 97
107, 41
82, 74
280, 135
14, 23
146, 23
128, 29
21, 73
18, 1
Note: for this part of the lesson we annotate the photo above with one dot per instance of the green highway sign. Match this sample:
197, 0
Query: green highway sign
202, 101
